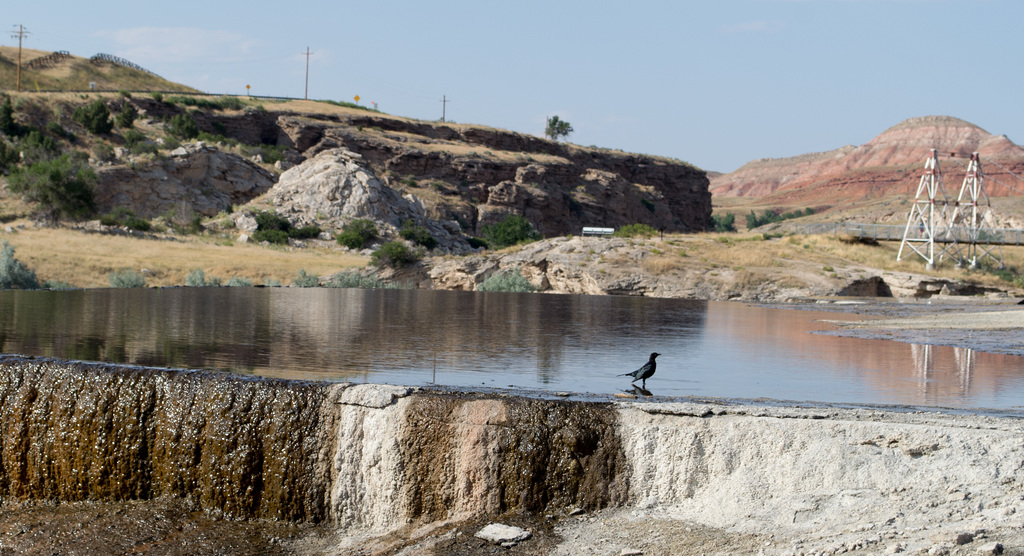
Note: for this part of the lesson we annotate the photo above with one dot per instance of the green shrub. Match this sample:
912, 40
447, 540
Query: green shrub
133, 137
417, 234
57, 285
13, 273
94, 117
305, 232
57, 130
122, 216
196, 278
476, 242
648, 204
272, 283
634, 230
354, 279
357, 233
237, 282
270, 236
103, 152
304, 280
509, 281
126, 278
723, 223
8, 126
124, 93
270, 220
36, 147
127, 117
8, 156
513, 229
62, 186
771, 217
159, 97
182, 126
394, 254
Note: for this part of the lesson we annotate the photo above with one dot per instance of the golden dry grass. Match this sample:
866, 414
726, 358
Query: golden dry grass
86, 259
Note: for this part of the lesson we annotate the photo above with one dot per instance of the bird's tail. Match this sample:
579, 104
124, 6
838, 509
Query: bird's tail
625, 374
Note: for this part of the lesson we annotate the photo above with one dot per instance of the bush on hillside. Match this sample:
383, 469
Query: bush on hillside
122, 216
13, 273
512, 230
126, 118
182, 126
771, 217
417, 234
394, 254
357, 233
62, 186
635, 230
354, 279
94, 117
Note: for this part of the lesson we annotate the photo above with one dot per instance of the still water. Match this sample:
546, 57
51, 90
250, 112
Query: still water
542, 342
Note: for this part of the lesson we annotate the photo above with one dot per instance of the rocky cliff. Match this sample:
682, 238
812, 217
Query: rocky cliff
475, 175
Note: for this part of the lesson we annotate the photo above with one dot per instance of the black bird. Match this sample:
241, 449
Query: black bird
645, 372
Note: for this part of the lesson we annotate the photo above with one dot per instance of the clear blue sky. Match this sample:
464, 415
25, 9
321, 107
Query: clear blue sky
715, 83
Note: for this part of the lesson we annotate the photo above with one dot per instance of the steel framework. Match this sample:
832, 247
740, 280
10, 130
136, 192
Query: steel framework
972, 218
924, 218
965, 229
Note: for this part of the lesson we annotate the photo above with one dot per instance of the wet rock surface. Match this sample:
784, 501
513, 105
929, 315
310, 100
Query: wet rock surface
119, 460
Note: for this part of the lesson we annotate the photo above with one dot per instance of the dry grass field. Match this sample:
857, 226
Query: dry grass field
86, 259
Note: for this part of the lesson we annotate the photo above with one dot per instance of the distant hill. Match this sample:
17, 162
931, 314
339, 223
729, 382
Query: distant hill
62, 71
889, 164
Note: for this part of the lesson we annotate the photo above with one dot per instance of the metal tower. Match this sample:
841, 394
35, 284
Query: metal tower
971, 221
924, 219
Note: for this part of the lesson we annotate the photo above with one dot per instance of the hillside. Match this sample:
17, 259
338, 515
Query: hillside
61, 71
889, 166
469, 175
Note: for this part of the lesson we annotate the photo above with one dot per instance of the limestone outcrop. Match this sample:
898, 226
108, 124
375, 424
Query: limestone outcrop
334, 188
200, 176
375, 463
618, 266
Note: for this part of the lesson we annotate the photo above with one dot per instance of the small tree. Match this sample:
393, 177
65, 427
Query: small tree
94, 117
7, 123
127, 116
182, 126
511, 230
557, 128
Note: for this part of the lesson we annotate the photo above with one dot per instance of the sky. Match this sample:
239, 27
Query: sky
714, 83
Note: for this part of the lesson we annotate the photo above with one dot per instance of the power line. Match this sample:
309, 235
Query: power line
19, 34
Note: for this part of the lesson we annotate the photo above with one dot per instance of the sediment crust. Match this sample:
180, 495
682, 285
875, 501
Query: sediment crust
383, 468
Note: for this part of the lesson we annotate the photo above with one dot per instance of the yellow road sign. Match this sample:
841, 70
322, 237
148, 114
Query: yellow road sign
357, 98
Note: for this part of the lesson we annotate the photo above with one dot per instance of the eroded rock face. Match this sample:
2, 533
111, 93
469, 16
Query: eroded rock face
197, 175
335, 188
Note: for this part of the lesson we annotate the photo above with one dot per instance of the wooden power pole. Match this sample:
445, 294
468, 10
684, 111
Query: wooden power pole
19, 34
308, 54
444, 106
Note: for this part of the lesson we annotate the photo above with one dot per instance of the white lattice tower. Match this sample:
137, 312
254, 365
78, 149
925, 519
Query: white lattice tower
971, 220
925, 218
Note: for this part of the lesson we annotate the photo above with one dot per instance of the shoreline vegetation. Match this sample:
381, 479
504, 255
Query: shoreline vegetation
80, 257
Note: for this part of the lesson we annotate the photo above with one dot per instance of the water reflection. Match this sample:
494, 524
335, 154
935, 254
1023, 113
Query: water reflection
552, 342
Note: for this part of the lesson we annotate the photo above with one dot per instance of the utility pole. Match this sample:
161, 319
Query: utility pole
308, 54
444, 105
19, 34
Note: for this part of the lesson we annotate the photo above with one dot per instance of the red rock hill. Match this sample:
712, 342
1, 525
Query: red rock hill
890, 163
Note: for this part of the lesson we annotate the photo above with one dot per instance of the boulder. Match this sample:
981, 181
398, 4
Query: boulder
333, 188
